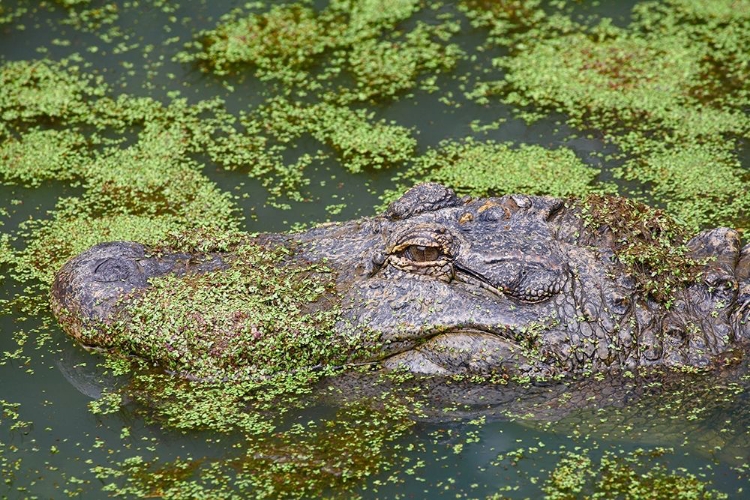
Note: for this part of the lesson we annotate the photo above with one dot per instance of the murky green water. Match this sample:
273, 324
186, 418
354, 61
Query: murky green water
51, 444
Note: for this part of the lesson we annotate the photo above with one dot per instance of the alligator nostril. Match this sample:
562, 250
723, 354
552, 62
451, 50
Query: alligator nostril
112, 270
378, 259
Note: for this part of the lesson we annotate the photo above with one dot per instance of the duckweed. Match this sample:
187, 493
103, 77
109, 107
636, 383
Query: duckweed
699, 183
72, 230
359, 141
504, 20
140, 193
283, 44
155, 177
332, 456
46, 91
622, 476
316, 458
255, 319
614, 81
646, 77
649, 242
674, 80
41, 155
10, 14
492, 169
285, 37
257, 334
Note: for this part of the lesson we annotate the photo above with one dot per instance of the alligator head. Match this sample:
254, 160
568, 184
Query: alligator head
517, 285
520, 285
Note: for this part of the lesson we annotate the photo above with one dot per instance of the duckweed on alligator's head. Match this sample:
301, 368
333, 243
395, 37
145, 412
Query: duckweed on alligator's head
230, 350
259, 317
648, 241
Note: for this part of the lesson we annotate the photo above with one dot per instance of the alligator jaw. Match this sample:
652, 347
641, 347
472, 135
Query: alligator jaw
462, 351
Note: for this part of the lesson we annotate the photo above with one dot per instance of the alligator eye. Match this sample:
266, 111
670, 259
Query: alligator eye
419, 253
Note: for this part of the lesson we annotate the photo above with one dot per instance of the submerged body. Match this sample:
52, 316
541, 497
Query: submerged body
516, 285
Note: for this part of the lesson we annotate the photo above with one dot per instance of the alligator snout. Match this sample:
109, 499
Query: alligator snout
88, 286
86, 291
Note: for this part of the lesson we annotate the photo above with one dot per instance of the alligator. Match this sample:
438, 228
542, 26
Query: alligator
515, 286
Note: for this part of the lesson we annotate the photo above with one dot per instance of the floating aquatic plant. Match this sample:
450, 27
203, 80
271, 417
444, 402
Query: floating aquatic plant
492, 169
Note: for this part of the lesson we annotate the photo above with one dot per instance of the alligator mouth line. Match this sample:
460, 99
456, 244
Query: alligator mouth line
467, 349
469, 277
408, 343
513, 289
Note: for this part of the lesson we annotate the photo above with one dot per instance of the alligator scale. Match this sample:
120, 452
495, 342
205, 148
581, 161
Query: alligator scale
519, 285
